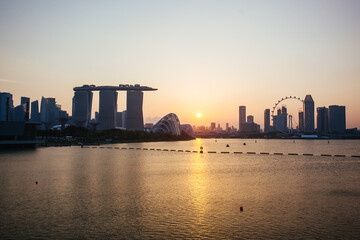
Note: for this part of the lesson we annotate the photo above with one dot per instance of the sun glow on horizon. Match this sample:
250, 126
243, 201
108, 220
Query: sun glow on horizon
198, 115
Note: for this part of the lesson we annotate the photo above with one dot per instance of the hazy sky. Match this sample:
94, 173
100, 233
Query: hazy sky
205, 57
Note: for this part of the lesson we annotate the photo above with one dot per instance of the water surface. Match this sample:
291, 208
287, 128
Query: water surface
130, 193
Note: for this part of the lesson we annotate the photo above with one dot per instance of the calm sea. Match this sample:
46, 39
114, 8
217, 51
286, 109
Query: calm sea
116, 193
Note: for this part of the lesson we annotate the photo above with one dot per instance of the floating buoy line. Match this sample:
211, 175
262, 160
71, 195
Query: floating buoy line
225, 152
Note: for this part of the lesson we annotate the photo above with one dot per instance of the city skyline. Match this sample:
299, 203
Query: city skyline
207, 57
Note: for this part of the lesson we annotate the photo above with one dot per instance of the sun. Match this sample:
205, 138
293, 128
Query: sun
198, 115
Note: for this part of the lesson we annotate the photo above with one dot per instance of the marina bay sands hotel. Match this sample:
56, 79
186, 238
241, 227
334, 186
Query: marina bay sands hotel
82, 102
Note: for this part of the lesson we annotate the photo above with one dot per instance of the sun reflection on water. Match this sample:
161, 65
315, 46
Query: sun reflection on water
198, 189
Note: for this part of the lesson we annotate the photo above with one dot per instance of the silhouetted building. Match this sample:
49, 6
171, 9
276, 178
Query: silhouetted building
6, 106
168, 124
212, 126
26, 102
337, 118
301, 121
107, 109
242, 116
19, 113
250, 119
119, 119
96, 117
81, 108
266, 120
309, 118
187, 129
49, 112
250, 127
148, 126
124, 114
280, 120
134, 104
322, 119
35, 115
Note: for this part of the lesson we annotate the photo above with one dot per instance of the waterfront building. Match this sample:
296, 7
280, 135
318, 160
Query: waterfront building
6, 106
96, 119
124, 114
35, 115
337, 118
119, 119
168, 124
186, 128
280, 120
19, 113
81, 110
227, 127
242, 116
26, 102
49, 112
212, 126
134, 104
267, 120
301, 121
107, 109
250, 119
309, 118
250, 127
322, 119
148, 126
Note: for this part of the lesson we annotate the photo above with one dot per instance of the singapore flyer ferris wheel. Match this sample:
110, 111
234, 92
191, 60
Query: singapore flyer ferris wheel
281, 119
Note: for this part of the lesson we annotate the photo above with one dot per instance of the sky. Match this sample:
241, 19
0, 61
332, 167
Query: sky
205, 57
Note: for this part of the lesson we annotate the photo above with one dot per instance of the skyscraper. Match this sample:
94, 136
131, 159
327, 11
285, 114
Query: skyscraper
123, 124
242, 116
81, 110
35, 115
280, 120
322, 119
26, 102
6, 106
134, 104
212, 126
107, 109
266, 120
119, 119
309, 118
19, 113
337, 118
250, 119
301, 121
48, 112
